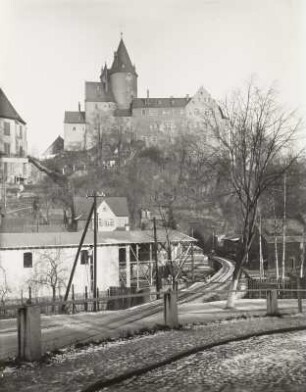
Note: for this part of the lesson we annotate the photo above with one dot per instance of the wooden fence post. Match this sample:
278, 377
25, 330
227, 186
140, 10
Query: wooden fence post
97, 296
299, 295
73, 298
30, 295
86, 299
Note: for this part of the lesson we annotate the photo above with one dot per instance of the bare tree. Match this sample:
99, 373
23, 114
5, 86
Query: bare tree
4, 289
50, 271
65, 185
253, 145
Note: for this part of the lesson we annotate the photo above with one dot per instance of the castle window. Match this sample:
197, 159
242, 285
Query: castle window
7, 148
20, 131
143, 112
74, 128
7, 128
27, 260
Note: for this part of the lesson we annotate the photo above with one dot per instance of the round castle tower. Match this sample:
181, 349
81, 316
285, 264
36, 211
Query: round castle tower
123, 78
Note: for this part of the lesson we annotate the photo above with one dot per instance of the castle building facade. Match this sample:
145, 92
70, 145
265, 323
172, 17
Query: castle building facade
113, 103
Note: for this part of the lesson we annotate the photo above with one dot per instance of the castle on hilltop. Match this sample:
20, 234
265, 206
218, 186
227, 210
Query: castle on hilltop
112, 104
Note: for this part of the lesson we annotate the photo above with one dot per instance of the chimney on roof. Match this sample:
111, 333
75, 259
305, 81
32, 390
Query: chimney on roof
187, 96
79, 106
148, 93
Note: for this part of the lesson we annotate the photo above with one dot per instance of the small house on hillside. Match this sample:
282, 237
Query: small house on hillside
113, 213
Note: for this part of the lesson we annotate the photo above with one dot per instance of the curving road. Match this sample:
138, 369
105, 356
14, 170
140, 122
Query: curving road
260, 364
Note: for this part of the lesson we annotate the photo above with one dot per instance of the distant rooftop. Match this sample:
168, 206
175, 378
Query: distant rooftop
95, 92
74, 117
118, 205
7, 110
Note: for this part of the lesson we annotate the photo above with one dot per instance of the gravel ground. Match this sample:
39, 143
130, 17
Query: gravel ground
266, 363
75, 370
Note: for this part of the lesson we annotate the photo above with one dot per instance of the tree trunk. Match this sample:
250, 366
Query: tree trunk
230, 304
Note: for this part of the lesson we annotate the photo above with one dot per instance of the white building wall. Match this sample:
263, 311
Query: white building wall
13, 163
74, 137
18, 279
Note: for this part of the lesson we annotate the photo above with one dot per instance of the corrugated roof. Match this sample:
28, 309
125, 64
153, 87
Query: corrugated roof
74, 117
35, 240
159, 102
122, 61
7, 110
94, 92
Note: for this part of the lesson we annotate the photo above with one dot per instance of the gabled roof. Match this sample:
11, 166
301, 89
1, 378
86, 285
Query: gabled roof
7, 110
94, 92
56, 147
11, 241
74, 117
118, 205
159, 102
122, 61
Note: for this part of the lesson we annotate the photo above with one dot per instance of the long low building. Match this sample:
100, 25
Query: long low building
43, 261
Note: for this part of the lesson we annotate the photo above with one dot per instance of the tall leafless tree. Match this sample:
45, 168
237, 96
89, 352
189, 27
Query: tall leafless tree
254, 137
50, 271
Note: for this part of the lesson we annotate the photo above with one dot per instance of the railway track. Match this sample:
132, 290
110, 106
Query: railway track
205, 290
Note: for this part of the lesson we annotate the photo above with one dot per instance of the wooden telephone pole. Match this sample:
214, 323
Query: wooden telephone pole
156, 258
95, 195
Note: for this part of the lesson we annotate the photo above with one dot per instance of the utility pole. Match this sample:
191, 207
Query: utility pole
284, 228
275, 244
260, 250
192, 258
156, 258
95, 195
4, 188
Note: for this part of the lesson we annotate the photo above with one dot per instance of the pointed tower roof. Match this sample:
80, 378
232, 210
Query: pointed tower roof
7, 110
122, 61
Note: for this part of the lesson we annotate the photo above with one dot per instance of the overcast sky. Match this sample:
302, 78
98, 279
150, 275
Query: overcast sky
50, 47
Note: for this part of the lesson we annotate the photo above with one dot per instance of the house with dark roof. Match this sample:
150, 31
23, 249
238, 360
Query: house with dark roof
13, 143
113, 213
114, 99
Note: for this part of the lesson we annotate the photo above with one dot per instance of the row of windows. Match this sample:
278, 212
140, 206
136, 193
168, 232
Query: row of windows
28, 258
164, 112
106, 222
7, 129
